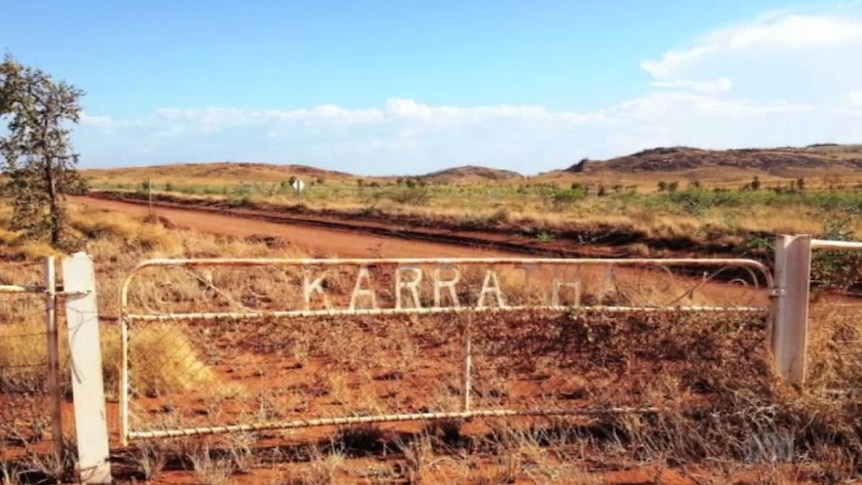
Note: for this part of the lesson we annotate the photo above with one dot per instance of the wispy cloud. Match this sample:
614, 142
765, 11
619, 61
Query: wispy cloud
800, 34
719, 85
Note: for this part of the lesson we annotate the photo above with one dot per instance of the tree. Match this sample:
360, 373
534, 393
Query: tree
39, 165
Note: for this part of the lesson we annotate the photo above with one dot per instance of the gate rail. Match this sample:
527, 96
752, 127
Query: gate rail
757, 271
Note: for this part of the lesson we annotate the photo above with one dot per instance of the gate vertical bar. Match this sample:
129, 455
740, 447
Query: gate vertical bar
50, 280
790, 331
124, 377
468, 361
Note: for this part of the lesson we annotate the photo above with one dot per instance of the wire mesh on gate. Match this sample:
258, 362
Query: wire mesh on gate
210, 346
835, 307
28, 403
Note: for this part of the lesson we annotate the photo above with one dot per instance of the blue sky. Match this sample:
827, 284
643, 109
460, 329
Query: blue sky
409, 86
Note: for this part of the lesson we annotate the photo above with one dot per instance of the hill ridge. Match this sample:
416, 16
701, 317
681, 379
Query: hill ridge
778, 161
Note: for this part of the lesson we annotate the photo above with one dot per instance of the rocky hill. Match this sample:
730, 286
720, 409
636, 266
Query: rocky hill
780, 162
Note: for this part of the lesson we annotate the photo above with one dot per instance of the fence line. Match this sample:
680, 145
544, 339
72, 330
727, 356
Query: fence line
54, 392
787, 309
77, 268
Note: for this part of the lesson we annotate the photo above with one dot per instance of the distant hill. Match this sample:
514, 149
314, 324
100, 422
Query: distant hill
779, 162
217, 172
643, 168
470, 173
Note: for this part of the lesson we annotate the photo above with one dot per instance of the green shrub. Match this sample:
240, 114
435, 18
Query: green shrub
563, 199
412, 195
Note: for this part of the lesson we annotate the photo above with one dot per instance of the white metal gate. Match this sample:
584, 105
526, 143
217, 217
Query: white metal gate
222, 345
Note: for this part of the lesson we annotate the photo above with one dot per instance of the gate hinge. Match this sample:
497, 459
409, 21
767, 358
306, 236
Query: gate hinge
777, 292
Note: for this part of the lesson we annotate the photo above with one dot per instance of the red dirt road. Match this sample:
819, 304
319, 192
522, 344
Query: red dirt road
328, 242
312, 240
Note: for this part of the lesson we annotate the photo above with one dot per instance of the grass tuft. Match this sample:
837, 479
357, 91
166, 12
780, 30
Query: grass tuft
162, 361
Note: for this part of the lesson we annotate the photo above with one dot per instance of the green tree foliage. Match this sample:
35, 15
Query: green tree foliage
39, 168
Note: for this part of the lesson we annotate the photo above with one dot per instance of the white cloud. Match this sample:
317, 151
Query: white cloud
656, 105
798, 34
719, 85
784, 78
99, 121
411, 137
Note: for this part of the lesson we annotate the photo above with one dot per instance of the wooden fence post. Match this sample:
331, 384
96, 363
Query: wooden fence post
53, 341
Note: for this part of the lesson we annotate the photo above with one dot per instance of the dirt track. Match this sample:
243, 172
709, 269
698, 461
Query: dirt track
313, 240
329, 242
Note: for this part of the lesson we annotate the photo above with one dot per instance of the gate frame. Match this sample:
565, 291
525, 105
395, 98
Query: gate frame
757, 269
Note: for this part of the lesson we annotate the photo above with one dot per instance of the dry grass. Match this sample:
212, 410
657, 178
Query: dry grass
709, 378
529, 210
529, 202
117, 243
23, 357
719, 405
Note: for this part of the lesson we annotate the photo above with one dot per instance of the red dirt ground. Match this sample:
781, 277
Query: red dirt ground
314, 240
417, 229
331, 242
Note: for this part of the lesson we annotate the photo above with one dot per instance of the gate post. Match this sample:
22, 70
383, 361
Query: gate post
54, 378
790, 328
88, 388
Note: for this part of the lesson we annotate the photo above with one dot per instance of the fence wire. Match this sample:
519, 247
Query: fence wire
255, 346
26, 403
834, 353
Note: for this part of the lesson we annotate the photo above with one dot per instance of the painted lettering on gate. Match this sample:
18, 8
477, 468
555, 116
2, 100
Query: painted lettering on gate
491, 289
559, 284
444, 280
411, 285
449, 284
311, 286
360, 292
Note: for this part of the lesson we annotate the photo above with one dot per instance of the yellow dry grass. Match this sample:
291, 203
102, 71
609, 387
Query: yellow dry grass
163, 358
519, 203
749, 402
211, 174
